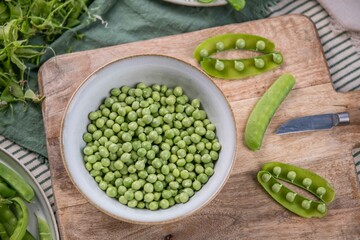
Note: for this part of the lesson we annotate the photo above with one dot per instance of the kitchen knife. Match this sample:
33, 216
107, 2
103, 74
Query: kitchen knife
319, 122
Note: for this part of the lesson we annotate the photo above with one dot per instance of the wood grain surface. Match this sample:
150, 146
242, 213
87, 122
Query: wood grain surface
242, 210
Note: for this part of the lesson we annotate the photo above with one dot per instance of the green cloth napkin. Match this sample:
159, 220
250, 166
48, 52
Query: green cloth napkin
114, 22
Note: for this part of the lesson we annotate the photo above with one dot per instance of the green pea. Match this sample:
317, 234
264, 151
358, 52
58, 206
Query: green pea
174, 185
153, 206
111, 191
239, 66
136, 185
129, 195
202, 178
259, 63
260, 45
240, 43
306, 204
266, 177
183, 197
268, 104
132, 203
164, 203
148, 187
321, 208
277, 170
103, 185
320, 191
277, 58
196, 185
204, 53
109, 177
123, 200
158, 186
148, 197
290, 196
219, 65
307, 182
276, 187
118, 165
291, 175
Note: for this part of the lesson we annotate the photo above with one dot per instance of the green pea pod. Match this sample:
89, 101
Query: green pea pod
265, 109
5, 191
17, 183
3, 233
303, 178
9, 220
241, 68
289, 199
44, 229
237, 4
22, 219
232, 41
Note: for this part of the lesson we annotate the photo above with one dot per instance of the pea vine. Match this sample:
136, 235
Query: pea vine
22, 21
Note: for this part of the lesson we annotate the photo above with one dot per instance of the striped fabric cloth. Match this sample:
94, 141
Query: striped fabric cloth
36, 164
342, 57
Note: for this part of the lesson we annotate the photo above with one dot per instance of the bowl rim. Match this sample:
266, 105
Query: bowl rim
234, 154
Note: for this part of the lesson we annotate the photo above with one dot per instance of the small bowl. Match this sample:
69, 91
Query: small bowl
149, 69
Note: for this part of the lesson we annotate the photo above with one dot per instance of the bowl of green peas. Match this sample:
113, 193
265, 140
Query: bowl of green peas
148, 139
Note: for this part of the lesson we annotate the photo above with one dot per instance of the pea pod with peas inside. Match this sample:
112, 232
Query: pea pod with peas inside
237, 68
22, 221
289, 199
240, 68
303, 178
232, 41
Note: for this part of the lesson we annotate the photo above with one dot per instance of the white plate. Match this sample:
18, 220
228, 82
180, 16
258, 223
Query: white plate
195, 3
39, 205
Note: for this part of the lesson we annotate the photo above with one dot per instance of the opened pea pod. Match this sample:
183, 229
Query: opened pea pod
240, 68
289, 199
303, 178
237, 68
233, 41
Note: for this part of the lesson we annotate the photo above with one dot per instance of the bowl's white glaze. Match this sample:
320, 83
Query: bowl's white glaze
149, 69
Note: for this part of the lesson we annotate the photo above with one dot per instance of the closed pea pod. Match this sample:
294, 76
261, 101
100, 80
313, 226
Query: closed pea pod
17, 183
290, 200
6, 191
303, 178
264, 110
23, 218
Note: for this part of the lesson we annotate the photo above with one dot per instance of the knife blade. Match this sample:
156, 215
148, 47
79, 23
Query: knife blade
314, 123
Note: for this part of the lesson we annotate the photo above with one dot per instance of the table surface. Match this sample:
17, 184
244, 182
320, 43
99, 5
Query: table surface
343, 62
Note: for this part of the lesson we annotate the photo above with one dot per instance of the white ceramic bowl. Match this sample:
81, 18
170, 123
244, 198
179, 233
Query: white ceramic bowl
149, 69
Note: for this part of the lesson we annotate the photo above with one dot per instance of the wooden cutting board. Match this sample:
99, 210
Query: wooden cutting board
242, 210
